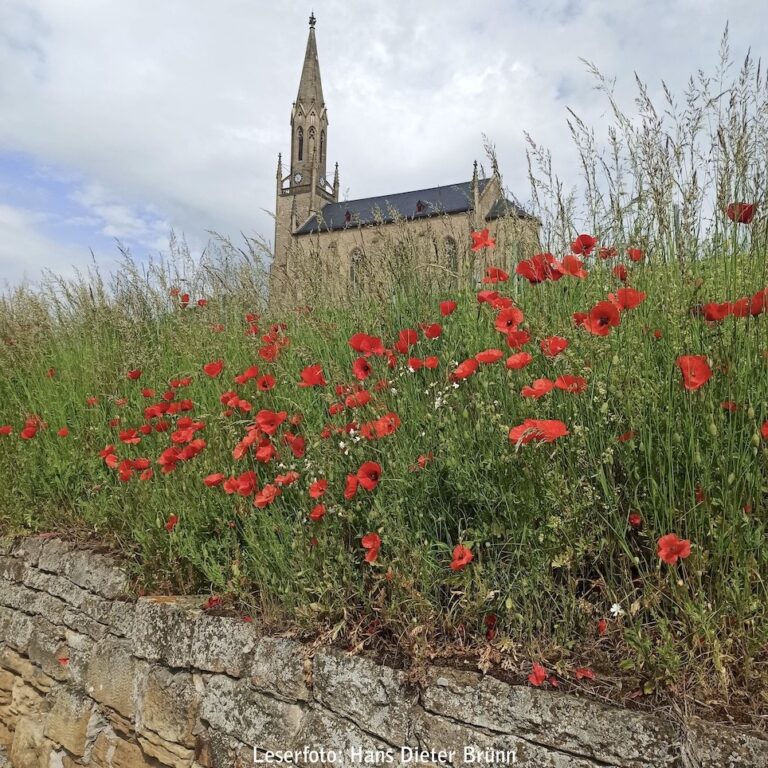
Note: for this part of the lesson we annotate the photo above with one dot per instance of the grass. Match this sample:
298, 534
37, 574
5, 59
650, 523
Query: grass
558, 575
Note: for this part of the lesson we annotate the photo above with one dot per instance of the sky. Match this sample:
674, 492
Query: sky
121, 121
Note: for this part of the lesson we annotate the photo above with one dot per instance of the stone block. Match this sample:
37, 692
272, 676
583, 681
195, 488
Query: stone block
72, 720
48, 649
16, 629
25, 669
11, 569
711, 746
236, 709
279, 666
221, 644
165, 752
373, 696
113, 676
30, 748
169, 704
28, 549
89, 570
111, 751
163, 628
434, 733
577, 726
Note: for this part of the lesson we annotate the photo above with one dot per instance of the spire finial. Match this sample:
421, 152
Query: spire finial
312, 20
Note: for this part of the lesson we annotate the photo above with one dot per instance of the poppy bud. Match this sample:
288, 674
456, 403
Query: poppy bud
731, 478
677, 438
756, 439
615, 360
751, 412
697, 457
712, 429
604, 408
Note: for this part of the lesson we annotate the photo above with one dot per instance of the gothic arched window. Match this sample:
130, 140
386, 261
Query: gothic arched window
355, 269
311, 144
322, 146
452, 260
300, 134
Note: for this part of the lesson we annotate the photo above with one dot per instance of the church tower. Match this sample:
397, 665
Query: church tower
305, 189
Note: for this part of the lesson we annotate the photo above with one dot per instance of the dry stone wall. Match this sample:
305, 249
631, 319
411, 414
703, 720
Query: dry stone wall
92, 677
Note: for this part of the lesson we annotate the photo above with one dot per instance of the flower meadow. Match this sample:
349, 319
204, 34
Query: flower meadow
568, 463
561, 472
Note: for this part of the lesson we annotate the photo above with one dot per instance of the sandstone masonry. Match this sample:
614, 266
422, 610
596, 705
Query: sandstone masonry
92, 677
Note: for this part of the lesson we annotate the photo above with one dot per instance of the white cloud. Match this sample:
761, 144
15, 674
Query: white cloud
173, 113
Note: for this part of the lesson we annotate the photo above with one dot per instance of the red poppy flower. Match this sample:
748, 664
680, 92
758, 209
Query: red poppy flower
268, 421
635, 254
51, 373
584, 673
318, 488
489, 356
763, 430
538, 675
482, 240
213, 369
602, 627
579, 318
133, 375
371, 542
215, 479
714, 312
366, 345
495, 275
584, 244
696, 371
635, 519
670, 548
358, 399
350, 488
518, 361
312, 376
620, 272
63, 432
431, 362
730, 406
508, 319
6, 430
607, 253
432, 330
361, 369
92, 401
602, 317
171, 524
369, 475
552, 346
202, 302
540, 430
464, 370
571, 265
462, 557
741, 213
266, 495
184, 299
28, 432
447, 308
317, 513
487, 296
538, 389
518, 339
627, 298
571, 383
625, 437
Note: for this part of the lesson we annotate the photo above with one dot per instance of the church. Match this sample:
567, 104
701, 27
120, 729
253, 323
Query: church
328, 250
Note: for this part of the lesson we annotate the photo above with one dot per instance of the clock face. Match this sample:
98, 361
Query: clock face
297, 178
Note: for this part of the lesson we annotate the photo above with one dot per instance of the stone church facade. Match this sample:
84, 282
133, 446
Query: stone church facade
331, 250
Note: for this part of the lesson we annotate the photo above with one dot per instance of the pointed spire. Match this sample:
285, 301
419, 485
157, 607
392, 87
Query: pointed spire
336, 183
475, 189
310, 85
279, 166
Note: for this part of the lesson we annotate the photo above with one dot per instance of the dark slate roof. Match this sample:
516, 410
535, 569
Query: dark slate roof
455, 198
503, 207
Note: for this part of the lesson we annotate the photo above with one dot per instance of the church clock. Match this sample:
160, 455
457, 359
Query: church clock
297, 178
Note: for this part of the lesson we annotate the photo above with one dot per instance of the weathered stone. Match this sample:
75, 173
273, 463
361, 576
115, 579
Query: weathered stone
330, 732
373, 696
221, 644
166, 752
81, 623
48, 649
30, 748
122, 616
110, 751
11, 569
234, 708
113, 676
16, 629
578, 726
68, 722
89, 570
711, 746
28, 550
55, 585
23, 668
434, 733
169, 703
278, 667
80, 648
163, 628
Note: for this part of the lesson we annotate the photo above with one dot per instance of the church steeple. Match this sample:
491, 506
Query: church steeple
309, 121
